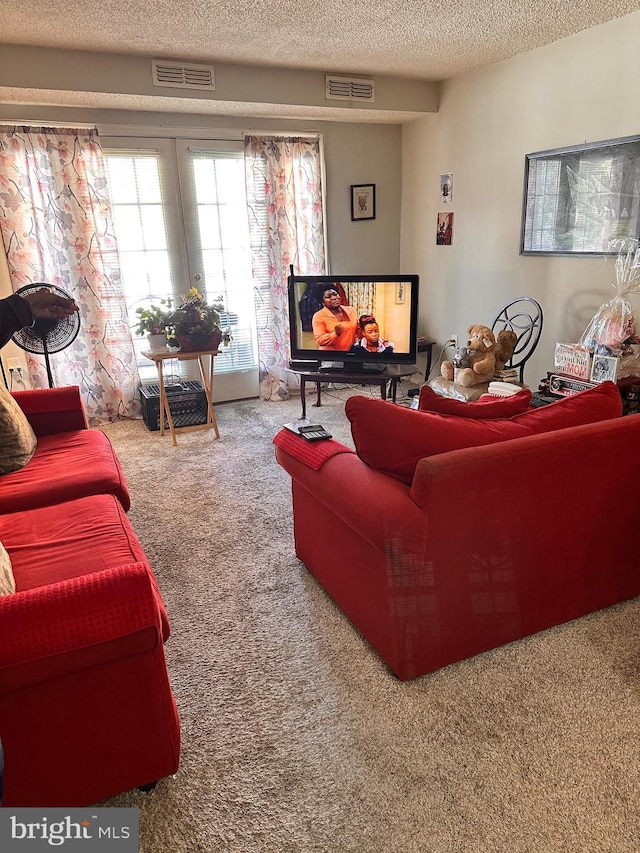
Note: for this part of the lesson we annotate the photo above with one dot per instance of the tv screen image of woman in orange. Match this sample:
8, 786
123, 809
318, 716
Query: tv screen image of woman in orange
335, 324
371, 341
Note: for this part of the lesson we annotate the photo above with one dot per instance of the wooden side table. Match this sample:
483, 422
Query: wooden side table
207, 382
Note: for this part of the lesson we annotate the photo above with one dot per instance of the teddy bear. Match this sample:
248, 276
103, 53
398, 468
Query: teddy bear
482, 360
505, 345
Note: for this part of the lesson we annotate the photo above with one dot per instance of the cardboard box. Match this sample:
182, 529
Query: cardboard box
573, 360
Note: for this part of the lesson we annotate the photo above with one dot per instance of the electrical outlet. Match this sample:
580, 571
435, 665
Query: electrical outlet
454, 340
13, 364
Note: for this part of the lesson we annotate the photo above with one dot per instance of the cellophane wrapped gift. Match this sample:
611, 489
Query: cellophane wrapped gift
613, 329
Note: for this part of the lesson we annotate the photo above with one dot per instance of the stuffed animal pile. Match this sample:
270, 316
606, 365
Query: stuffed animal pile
481, 358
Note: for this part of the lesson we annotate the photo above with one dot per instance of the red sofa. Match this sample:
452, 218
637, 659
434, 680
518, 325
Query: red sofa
86, 708
436, 556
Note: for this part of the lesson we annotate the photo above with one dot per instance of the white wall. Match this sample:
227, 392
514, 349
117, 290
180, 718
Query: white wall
580, 89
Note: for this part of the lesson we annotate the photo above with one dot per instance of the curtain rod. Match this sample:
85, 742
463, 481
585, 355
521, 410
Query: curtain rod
307, 134
54, 124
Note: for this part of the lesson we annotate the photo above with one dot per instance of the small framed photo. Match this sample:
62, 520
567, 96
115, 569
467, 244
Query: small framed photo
446, 188
400, 293
604, 367
363, 201
444, 230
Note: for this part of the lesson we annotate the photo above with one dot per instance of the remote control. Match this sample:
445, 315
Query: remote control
314, 432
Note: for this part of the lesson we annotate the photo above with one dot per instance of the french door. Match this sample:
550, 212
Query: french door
179, 210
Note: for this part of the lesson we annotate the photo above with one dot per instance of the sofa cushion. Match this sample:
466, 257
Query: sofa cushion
65, 466
51, 544
55, 543
17, 439
486, 407
392, 439
7, 580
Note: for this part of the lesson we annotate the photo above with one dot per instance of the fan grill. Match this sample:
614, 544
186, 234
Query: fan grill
46, 337
50, 335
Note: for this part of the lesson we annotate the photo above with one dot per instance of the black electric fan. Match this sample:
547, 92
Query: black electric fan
47, 336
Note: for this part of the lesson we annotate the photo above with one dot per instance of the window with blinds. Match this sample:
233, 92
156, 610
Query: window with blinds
141, 236
180, 217
221, 239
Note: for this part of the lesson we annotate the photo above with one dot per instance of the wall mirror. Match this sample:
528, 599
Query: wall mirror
577, 200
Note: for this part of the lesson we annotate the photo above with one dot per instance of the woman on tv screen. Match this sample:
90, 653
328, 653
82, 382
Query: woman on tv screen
335, 324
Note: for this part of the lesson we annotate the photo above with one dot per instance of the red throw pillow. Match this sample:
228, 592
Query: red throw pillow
392, 439
487, 407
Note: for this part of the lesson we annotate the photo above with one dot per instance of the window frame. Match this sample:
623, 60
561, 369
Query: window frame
233, 380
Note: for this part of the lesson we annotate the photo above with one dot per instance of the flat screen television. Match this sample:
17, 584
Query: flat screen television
355, 322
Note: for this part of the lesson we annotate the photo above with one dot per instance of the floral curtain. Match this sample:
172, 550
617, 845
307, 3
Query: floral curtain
56, 227
286, 226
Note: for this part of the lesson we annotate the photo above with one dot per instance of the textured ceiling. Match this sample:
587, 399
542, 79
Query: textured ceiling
420, 39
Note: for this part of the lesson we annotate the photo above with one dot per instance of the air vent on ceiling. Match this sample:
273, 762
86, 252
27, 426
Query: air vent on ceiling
348, 88
182, 75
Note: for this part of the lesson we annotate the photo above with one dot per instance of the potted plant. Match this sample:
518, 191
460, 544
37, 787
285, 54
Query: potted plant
195, 325
153, 322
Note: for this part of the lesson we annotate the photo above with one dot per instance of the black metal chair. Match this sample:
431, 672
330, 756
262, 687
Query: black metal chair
524, 317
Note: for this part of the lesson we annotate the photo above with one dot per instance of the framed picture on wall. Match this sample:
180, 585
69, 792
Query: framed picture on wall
446, 188
363, 201
581, 200
444, 230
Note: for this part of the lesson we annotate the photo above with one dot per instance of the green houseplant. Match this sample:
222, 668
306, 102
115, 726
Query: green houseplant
152, 322
195, 325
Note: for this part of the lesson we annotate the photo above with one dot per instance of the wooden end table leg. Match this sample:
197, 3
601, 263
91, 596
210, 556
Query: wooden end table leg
303, 396
207, 382
318, 401
428, 367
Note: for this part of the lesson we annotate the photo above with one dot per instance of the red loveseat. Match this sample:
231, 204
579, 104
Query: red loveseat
86, 708
438, 554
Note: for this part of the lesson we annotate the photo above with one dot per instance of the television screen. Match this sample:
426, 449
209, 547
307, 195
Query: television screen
354, 319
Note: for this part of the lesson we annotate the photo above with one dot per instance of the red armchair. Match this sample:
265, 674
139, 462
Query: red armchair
482, 546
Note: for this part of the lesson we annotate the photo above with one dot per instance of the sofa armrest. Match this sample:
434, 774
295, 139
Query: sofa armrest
374, 505
77, 613
53, 410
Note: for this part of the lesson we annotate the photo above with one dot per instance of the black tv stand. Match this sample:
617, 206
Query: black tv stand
346, 375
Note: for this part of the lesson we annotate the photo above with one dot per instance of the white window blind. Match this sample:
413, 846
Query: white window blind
141, 235
222, 239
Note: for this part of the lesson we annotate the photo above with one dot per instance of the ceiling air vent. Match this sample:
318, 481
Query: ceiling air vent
180, 75
348, 88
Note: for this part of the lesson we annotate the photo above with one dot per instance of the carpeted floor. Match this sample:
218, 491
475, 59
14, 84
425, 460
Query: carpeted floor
297, 739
